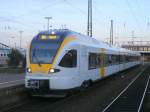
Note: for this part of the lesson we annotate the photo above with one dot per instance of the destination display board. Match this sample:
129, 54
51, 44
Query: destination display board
47, 37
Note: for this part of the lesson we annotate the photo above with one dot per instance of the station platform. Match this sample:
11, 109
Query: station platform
8, 79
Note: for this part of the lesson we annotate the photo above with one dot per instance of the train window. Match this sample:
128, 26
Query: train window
94, 60
111, 59
122, 58
69, 60
127, 58
107, 60
98, 60
114, 59
117, 59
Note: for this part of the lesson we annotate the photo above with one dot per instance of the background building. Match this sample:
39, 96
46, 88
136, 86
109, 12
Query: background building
4, 52
4, 56
142, 47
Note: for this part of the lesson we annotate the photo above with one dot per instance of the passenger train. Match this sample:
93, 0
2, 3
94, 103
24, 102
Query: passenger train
61, 60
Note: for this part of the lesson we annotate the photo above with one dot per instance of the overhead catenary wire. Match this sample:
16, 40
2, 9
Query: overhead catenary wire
77, 8
72, 5
18, 19
143, 16
134, 15
82, 11
37, 11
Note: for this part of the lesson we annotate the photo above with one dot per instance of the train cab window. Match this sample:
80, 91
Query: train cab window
69, 60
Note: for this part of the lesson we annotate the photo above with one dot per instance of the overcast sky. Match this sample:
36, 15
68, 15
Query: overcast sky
28, 16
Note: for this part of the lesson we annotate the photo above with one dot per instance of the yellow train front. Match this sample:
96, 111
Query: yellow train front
59, 61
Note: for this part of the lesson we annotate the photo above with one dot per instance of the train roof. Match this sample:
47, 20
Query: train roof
56, 31
88, 41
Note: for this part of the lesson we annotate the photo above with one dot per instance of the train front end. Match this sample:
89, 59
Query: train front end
44, 76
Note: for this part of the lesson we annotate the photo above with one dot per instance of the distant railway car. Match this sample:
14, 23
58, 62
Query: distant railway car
59, 61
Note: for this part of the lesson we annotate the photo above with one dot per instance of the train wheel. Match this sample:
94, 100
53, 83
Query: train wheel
86, 84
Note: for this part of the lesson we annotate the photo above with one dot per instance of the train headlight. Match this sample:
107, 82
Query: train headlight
53, 32
29, 70
52, 70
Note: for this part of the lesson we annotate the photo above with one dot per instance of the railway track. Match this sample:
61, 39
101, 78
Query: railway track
132, 97
53, 104
146, 103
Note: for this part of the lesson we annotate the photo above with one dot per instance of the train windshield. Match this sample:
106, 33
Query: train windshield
43, 52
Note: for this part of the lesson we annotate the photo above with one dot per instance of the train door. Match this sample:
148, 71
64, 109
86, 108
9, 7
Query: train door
69, 66
84, 62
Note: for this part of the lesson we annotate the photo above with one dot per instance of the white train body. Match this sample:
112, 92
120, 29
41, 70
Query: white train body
77, 61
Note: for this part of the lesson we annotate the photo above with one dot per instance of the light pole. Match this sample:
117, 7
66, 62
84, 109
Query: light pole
89, 24
111, 33
20, 32
48, 18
